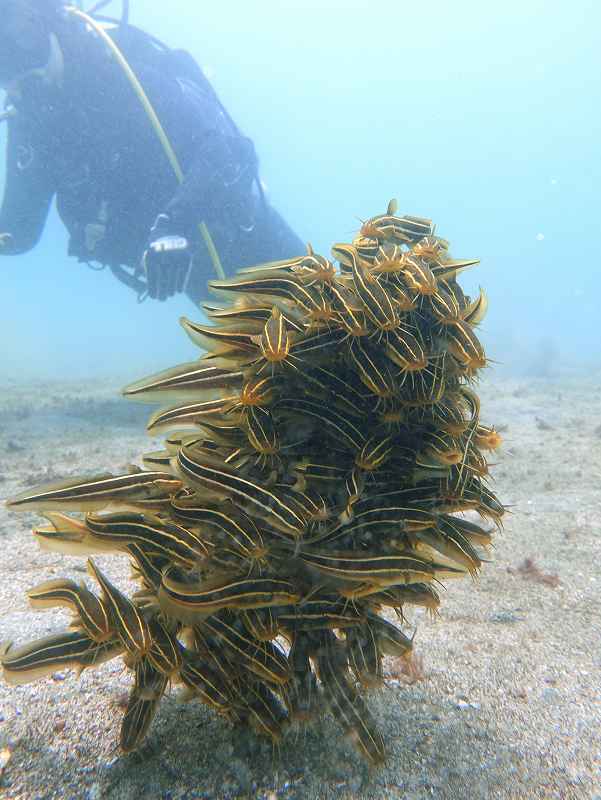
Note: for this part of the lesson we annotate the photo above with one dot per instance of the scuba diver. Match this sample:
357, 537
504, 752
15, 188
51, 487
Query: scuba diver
151, 175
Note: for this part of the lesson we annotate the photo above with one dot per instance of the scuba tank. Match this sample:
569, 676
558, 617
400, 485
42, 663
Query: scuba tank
143, 48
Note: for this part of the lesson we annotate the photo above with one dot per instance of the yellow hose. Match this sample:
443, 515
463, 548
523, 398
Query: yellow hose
154, 121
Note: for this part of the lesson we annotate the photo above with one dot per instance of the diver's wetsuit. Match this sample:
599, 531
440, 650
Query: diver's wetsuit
91, 144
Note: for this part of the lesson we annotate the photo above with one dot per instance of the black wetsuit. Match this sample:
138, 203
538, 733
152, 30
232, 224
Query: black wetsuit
90, 143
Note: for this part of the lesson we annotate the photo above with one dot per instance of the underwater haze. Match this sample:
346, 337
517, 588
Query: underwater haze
290, 521
485, 117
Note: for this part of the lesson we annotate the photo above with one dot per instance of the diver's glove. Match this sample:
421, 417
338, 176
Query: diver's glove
167, 260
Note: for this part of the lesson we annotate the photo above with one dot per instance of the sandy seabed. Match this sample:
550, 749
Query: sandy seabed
509, 705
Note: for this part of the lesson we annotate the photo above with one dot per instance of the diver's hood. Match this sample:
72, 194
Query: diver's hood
51, 73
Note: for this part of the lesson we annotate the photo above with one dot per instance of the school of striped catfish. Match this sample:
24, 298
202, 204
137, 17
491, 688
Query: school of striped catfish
323, 468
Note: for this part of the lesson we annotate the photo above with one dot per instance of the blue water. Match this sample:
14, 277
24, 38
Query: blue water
483, 116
